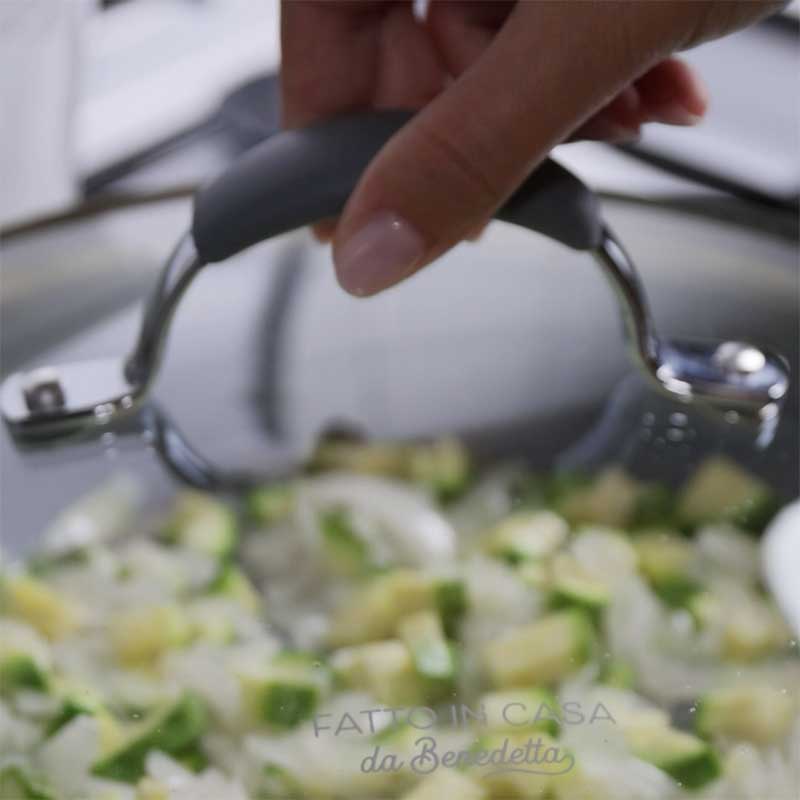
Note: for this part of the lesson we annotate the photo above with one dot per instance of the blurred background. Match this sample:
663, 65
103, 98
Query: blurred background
114, 112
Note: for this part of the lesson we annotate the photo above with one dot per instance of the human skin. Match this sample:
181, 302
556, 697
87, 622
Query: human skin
497, 85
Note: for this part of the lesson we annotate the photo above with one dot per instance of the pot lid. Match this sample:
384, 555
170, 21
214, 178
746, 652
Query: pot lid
513, 342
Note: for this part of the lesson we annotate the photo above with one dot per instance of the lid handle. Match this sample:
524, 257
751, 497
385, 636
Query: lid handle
298, 177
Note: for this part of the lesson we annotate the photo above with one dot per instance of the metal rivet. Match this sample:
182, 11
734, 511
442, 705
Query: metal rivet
740, 357
43, 391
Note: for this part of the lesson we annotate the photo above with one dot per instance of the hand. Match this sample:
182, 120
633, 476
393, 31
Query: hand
499, 84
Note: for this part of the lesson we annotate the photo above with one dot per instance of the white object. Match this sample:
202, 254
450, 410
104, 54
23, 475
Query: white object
780, 555
38, 84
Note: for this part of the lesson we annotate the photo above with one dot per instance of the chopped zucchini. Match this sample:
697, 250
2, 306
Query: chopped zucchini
753, 630
288, 691
277, 781
346, 551
443, 466
16, 783
171, 732
31, 600
383, 669
199, 522
447, 783
609, 499
141, 636
542, 765
390, 675
20, 671
758, 714
535, 574
655, 507
705, 608
270, 504
686, 758
666, 559
451, 601
71, 707
433, 656
374, 611
617, 674
526, 535
572, 586
369, 458
541, 652
150, 789
521, 709
231, 582
721, 491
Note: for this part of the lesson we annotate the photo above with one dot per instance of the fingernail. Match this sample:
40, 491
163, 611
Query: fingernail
676, 114
380, 254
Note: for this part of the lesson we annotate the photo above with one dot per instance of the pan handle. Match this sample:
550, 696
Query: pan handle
298, 177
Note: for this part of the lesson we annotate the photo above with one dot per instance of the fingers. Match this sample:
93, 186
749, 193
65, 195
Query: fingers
345, 56
463, 29
328, 53
669, 93
672, 93
454, 164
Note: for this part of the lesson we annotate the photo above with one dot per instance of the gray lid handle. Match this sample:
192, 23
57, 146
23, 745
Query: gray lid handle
298, 177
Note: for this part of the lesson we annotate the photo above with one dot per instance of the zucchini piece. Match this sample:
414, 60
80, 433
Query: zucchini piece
289, 690
200, 522
721, 491
526, 536
655, 507
705, 608
686, 758
276, 781
231, 582
538, 775
452, 603
141, 636
78, 700
609, 499
756, 714
70, 708
40, 606
516, 710
541, 652
753, 630
617, 674
374, 611
666, 559
442, 466
270, 504
383, 669
433, 656
447, 783
16, 783
535, 574
172, 732
347, 552
390, 675
20, 671
572, 586
194, 758
387, 459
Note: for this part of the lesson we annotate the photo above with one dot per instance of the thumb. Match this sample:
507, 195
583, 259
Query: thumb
443, 174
